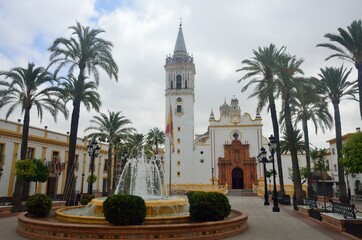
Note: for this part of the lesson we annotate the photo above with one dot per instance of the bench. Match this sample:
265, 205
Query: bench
341, 213
308, 204
346, 210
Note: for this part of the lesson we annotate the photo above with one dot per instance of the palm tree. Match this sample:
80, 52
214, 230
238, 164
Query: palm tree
261, 70
28, 87
109, 128
348, 47
155, 137
135, 144
334, 86
286, 81
299, 143
308, 105
88, 52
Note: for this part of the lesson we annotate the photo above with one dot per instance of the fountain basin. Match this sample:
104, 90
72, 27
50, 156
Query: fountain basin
234, 224
164, 210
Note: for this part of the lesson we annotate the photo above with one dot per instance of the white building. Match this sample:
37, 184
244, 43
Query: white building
227, 152
52, 148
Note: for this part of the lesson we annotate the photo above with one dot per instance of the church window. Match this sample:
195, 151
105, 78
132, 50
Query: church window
178, 81
178, 174
178, 151
179, 99
185, 83
333, 151
171, 85
178, 163
178, 140
179, 109
202, 152
178, 128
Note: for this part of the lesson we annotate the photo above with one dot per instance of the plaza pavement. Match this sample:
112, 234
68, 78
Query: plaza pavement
262, 223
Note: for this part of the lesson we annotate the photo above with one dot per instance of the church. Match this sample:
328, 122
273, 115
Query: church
226, 153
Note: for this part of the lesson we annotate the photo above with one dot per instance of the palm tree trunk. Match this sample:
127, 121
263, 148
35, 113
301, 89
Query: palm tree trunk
307, 156
19, 183
359, 79
298, 190
69, 190
342, 182
274, 119
109, 169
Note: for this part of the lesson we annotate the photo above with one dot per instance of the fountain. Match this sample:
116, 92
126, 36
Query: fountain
141, 177
166, 217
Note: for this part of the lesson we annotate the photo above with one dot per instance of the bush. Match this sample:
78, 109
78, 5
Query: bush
86, 198
39, 205
208, 206
124, 210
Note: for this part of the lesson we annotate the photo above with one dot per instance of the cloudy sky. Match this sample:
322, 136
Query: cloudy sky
219, 34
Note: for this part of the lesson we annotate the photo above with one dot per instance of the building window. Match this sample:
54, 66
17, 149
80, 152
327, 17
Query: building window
178, 174
333, 151
185, 83
30, 153
179, 109
179, 99
178, 151
178, 163
105, 165
2, 155
335, 167
178, 140
178, 128
171, 84
178, 81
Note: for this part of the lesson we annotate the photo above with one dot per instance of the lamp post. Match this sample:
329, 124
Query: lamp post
264, 160
81, 186
93, 151
272, 146
212, 175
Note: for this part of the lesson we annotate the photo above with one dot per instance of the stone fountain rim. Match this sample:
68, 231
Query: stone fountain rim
33, 228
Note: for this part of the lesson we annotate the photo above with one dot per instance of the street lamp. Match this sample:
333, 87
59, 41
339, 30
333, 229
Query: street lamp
262, 158
272, 146
93, 151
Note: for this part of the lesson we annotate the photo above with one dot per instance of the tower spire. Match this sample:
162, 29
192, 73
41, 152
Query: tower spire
180, 46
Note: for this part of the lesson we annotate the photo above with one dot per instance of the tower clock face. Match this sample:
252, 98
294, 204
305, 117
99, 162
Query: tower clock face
235, 119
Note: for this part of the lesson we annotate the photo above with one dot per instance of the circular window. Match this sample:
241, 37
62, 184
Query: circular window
179, 99
202, 152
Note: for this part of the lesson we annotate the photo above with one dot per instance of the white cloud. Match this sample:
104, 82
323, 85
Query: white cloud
219, 34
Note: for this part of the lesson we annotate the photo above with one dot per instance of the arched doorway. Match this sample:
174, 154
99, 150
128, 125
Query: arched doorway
238, 178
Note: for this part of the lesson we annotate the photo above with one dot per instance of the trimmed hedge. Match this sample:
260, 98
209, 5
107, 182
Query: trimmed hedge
124, 210
39, 205
86, 198
208, 206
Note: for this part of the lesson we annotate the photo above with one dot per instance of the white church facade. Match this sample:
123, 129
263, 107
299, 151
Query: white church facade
227, 152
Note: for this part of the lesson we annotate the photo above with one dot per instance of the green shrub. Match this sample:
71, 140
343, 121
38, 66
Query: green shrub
124, 210
86, 198
208, 206
39, 205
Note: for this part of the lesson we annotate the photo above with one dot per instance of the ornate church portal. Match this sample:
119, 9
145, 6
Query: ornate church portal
236, 168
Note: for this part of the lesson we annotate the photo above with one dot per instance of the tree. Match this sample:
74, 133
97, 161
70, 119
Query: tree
155, 137
352, 153
289, 67
299, 143
261, 70
135, 145
348, 47
26, 88
335, 86
109, 128
308, 105
86, 51
41, 173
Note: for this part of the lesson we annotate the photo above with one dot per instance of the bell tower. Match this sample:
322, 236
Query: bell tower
180, 98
